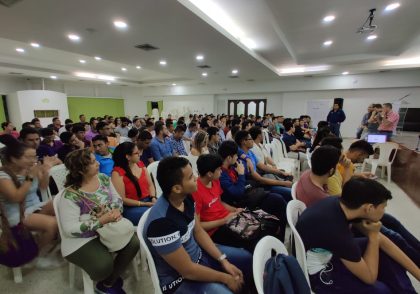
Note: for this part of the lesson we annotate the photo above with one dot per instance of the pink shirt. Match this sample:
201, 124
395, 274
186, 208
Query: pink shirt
393, 117
308, 192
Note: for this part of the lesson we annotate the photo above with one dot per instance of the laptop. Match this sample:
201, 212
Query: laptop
375, 139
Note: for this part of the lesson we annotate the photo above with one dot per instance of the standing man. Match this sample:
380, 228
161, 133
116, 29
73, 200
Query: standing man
389, 121
364, 123
335, 118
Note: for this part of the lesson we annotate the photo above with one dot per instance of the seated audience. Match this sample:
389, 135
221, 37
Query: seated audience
92, 131
20, 178
31, 138
49, 146
235, 123
177, 142
321, 134
199, 145
9, 129
104, 129
37, 124
132, 181
80, 132
187, 260
293, 145
143, 143
88, 203
337, 260
214, 140
70, 143
123, 128
160, 146
103, 154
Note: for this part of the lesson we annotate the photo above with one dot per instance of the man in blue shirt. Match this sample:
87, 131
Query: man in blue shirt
103, 154
160, 147
335, 117
143, 143
177, 143
187, 261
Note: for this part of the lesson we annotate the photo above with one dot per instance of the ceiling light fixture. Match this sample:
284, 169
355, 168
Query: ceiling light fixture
20, 50
405, 61
302, 69
95, 76
392, 6
371, 37
204, 74
138, 67
53, 77
173, 84
344, 73
123, 69
199, 57
82, 61
162, 62
73, 37
35, 45
120, 24
328, 43
328, 18
249, 43
108, 83
98, 58
235, 71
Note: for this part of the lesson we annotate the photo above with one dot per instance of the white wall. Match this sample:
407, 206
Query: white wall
23, 104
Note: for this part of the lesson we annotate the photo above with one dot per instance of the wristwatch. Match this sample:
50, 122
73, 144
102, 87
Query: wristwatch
222, 257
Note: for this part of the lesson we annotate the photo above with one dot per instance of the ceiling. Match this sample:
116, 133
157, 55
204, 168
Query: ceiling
267, 37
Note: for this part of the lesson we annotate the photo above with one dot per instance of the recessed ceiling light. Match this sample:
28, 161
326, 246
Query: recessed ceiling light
53, 77
73, 37
162, 62
345, 73
98, 58
405, 61
392, 6
108, 83
138, 67
199, 57
301, 69
82, 61
20, 50
371, 37
123, 69
249, 43
235, 71
328, 43
204, 74
35, 45
328, 18
173, 84
94, 76
120, 24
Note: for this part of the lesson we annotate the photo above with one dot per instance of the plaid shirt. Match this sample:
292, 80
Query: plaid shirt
177, 146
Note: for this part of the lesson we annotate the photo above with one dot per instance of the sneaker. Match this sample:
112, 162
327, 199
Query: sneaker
101, 289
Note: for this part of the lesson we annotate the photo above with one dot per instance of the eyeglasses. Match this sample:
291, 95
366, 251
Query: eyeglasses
135, 153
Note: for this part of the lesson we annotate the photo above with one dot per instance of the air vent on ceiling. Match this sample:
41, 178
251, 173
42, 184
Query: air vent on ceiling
8, 3
15, 73
146, 47
204, 66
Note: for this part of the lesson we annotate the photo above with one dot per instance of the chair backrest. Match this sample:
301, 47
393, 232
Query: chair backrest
276, 152
56, 199
282, 146
293, 211
266, 136
193, 160
150, 261
308, 155
59, 174
294, 186
152, 170
262, 253
187, 146
387, 152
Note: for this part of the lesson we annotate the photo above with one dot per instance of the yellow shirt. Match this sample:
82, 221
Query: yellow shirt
335, 184
341, 169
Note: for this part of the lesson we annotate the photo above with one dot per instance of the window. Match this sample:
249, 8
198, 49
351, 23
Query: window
247, 107
45, 113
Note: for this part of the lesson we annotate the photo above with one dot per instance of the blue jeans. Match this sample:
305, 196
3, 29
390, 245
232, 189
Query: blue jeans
241, 258
335, 129
285, 192
134, 213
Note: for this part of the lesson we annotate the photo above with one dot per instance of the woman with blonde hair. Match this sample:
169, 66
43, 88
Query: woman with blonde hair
199, 145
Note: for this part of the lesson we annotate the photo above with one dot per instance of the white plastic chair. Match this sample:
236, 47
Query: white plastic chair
152, 170
262, 253
294, 186
293, 211
193, 160
59, 174
387, 153
149, 257
308, 155
187, 146
266, 136
288, 164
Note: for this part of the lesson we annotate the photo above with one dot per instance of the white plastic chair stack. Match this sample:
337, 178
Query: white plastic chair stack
150, 261
266, 136
152, 170
262, 253
280, 158
293, 211
387, 153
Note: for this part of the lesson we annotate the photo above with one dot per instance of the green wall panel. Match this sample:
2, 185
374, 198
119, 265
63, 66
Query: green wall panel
94, 107
2, 114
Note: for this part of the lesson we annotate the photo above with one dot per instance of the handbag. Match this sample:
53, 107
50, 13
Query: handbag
254, 195
252, 225
17, 245
114, 235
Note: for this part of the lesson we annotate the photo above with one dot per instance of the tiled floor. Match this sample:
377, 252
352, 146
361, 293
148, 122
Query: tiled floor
56, 281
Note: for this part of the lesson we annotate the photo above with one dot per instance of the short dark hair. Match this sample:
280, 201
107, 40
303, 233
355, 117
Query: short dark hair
55, 118
241, 136
135, 119
358, 191
100, 138
78, 128
208, 163
26, 124
179, 128
169, 122
332, 141
212, 131
192, 125
34, 120
80, 116
323, 159
227, 148
288, 125
100, 125
158, 127
65, 137
255, 132
169, 172
322, 124
68, 121
149, 123
145, 135
27, 131
133, 132
5, 124
245, 123
47, 132
363, 146
388, 105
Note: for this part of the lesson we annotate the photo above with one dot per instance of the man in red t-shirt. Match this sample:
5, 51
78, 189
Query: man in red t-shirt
211, 211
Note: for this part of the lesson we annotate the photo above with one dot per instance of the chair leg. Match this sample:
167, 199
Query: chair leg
87, 284
72, 270
144, 264
136, 269
17, 274
383, 171
388, 171
374, 167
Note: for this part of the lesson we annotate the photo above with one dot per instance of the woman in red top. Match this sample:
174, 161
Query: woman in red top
132, 181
